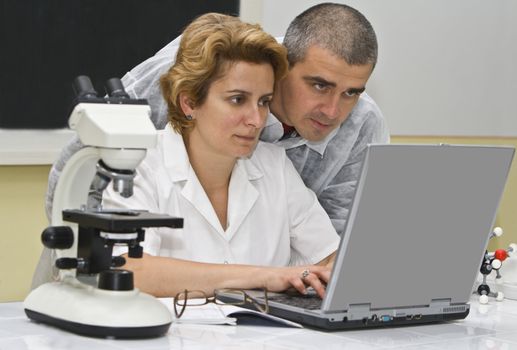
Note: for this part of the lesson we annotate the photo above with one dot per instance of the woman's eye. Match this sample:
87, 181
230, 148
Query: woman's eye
265, 102
237, 100
351, 93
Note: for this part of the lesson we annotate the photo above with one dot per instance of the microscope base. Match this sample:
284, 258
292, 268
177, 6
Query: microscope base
83, 309
100, 331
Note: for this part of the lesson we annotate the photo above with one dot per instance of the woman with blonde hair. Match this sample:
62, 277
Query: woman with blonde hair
249, 221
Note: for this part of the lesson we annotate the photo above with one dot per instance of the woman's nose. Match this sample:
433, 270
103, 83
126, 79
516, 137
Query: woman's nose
257, 117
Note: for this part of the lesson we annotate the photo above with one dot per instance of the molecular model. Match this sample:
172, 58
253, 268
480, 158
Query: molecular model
492, 261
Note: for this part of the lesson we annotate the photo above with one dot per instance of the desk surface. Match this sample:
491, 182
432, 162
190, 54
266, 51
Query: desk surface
492, 326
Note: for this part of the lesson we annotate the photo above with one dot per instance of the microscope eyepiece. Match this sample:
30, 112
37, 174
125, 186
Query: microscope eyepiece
83, 87
114, 88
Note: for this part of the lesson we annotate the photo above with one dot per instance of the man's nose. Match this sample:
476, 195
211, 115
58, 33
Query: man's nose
331, 107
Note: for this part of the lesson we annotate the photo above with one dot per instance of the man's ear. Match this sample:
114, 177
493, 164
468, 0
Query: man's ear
186, 104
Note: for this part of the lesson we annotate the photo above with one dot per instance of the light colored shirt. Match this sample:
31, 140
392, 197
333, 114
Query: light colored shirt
332, 166
273, 218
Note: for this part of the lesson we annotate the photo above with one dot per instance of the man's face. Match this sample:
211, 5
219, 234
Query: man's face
318, 93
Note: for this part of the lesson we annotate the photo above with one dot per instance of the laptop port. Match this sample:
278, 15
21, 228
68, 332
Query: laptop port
417, 316
374, 318
409, 317
385, 318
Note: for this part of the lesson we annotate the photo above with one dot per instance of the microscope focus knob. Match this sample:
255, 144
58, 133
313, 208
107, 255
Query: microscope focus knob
135, 252
66, 263
118, 261
116, 279
58, 237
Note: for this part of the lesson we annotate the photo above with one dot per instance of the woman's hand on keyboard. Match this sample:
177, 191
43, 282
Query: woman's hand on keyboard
299, 277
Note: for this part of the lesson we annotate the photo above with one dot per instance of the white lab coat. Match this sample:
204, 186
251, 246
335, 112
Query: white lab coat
273, 219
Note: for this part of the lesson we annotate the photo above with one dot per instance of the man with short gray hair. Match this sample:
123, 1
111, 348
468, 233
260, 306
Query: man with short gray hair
319, 112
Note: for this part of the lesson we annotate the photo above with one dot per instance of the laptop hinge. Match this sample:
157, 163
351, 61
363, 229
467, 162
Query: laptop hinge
359, 311
447, 307
440, 302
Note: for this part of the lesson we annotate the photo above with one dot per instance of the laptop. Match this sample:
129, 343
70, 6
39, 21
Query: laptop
413, 244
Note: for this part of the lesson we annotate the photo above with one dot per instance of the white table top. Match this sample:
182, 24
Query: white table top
492, 326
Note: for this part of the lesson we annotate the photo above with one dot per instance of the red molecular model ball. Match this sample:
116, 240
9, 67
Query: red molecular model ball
500, 254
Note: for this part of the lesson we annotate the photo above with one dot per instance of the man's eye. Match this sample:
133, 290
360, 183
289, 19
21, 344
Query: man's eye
319, 87
352, 93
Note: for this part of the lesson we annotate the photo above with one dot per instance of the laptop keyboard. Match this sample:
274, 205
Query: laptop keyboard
310, 301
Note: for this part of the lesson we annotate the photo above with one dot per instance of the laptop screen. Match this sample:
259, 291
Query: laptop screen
418, 226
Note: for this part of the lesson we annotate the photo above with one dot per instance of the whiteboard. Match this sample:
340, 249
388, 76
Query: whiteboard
446, 67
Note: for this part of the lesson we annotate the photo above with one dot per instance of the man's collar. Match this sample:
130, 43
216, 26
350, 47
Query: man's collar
274, 131
321, 146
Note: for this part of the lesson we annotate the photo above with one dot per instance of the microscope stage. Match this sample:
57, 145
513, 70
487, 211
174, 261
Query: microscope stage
126, 220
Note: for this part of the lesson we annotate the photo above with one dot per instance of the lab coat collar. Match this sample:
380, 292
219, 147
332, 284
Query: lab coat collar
242, 194
175, 156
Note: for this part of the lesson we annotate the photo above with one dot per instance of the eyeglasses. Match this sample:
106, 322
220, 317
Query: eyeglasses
199, 298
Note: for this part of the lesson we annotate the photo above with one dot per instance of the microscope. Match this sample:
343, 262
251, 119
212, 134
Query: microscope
91, 295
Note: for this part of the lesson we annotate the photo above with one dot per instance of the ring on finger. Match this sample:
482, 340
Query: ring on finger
305, 273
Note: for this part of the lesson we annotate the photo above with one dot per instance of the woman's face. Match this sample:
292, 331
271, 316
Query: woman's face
230, 120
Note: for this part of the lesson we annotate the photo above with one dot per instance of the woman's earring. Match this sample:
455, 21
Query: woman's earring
188, 117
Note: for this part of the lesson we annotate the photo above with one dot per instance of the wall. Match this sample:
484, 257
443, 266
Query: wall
22, 216
445, 67
506, 217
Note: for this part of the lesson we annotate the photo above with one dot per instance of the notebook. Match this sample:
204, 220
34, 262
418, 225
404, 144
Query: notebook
415, 236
